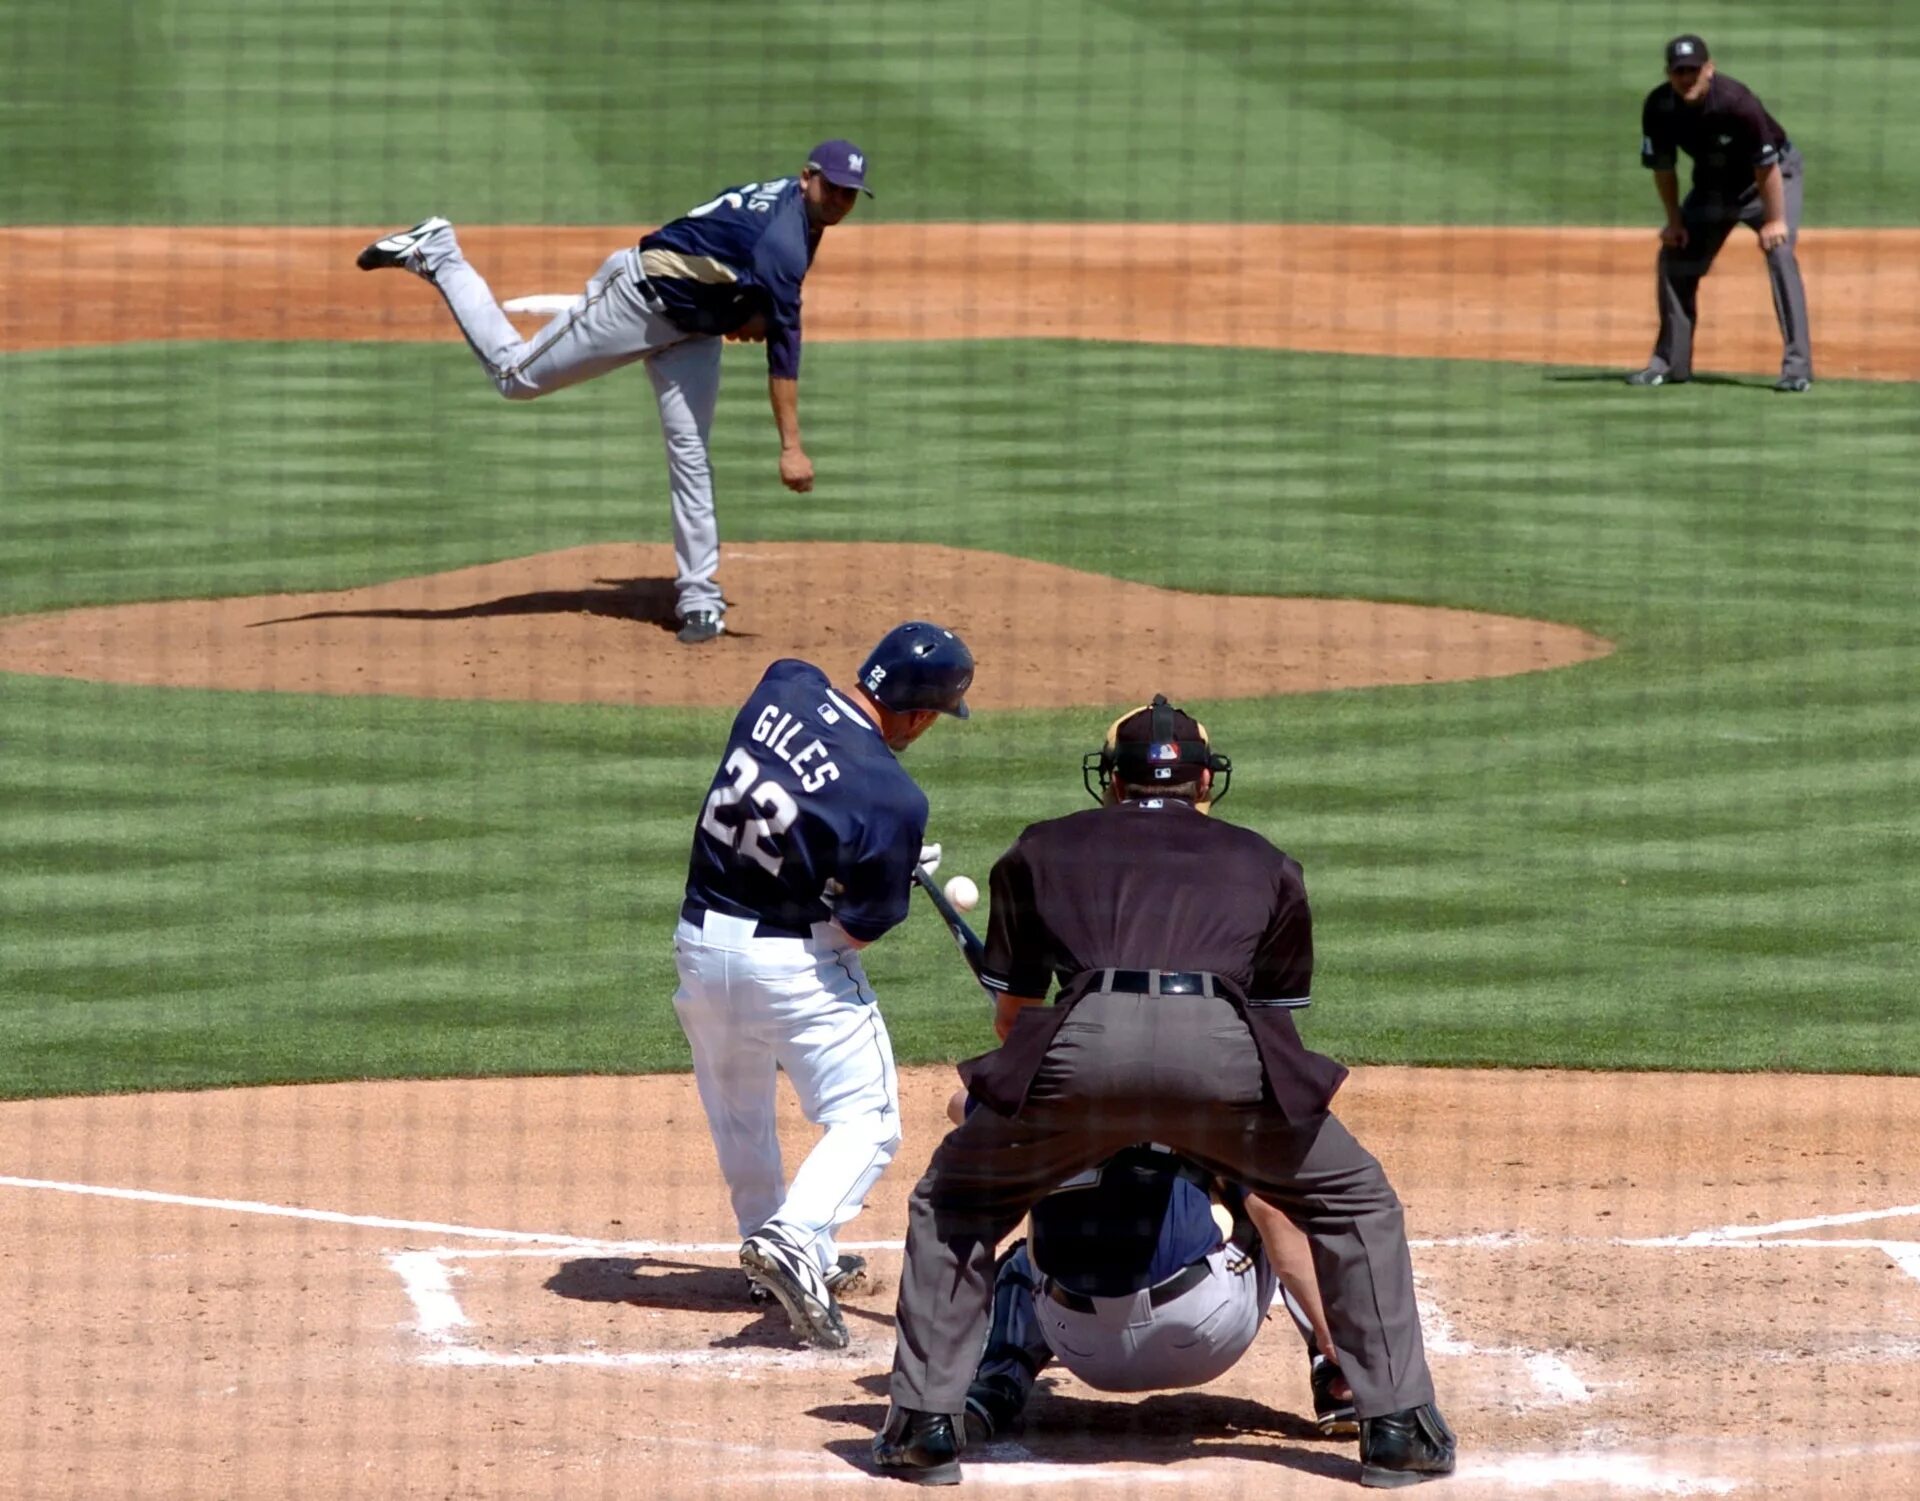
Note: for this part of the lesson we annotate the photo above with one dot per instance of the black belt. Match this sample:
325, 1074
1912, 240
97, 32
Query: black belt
1156, 982
1182, 1281
763, 927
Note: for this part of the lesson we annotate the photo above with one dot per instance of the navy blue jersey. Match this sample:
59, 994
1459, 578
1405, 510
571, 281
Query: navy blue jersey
1130, 1223
743, 252
807, 792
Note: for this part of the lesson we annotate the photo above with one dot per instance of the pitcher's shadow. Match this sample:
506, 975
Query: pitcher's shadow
647, 601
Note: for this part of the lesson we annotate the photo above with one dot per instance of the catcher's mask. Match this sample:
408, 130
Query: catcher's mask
1155, 744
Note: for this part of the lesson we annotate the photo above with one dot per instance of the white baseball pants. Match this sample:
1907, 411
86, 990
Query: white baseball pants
747, 1003
614, 322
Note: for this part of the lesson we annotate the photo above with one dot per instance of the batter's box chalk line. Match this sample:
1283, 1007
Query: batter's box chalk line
1904, 1254
428, 1277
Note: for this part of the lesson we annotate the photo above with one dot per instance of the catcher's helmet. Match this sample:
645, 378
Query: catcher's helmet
919, 665
1156, 743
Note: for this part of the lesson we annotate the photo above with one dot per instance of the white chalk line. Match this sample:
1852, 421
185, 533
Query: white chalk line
1557, 1380
540, 1238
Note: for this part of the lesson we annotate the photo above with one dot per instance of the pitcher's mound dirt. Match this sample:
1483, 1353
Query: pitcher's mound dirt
595, 624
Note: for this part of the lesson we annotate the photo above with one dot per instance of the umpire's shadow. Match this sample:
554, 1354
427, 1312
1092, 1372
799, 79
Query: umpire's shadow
1618, 378
1159, 1428
684, 1287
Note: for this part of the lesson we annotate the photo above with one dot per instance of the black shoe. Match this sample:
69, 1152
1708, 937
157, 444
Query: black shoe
701, 627
1792, 383
918, 1446
402, 247
772, 1261
1332, 1414
849, 1275
1405, 1448
1652, 377
993, 1407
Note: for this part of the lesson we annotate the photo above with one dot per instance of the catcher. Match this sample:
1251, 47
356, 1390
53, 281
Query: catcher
1146, 1273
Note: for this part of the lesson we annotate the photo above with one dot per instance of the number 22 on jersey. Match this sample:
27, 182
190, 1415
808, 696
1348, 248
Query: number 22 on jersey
770, 812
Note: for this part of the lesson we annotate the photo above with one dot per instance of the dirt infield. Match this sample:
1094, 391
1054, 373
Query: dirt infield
1539, 296
593, 624
1667, 1286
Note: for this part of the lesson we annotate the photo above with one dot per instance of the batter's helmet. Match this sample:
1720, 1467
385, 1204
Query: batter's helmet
919, 665
1156, 743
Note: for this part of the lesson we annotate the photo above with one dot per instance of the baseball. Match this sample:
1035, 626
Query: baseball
964, 895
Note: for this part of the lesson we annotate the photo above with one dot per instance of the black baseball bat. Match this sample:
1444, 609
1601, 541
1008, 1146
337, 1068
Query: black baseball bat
971, 948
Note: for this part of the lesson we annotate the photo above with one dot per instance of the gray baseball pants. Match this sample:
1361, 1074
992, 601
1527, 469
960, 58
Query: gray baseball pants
614, 322
1127, 1344
1709, 221
1181, 1071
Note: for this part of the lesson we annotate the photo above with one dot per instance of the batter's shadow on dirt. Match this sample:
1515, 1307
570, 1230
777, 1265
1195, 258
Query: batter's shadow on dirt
1161, 1428
685, 1287
645, 601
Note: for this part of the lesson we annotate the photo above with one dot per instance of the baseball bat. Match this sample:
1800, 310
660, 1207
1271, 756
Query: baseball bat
971, 948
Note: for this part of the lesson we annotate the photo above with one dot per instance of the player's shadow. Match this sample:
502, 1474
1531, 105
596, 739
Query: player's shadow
685, 1287
648, 1282
1618, 378
646, 601
1160, 1428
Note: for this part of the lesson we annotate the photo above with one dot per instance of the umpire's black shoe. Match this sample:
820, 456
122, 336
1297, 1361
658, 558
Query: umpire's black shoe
918, 1446
1792, 383
1332, 1413
1652, 377
1405, 1448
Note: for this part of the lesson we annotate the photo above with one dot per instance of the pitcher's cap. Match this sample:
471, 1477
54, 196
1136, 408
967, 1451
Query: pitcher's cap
842, 163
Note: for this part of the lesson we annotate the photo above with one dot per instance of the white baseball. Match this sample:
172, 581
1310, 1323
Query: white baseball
964, 895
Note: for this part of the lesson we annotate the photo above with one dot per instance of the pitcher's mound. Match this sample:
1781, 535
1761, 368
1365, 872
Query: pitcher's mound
595, 624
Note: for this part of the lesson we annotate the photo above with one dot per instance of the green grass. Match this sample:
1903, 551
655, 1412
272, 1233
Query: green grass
604, 111
1700, 852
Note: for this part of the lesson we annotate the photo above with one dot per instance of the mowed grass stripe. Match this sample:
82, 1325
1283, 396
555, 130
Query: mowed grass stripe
1688, 854
304, 111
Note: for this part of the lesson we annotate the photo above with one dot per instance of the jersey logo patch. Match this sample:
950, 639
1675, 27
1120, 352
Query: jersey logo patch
828, 713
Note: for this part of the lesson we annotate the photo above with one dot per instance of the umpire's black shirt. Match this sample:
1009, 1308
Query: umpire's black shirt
1151, 884
1728, 134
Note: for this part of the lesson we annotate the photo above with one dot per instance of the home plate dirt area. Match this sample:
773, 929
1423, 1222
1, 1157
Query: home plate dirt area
1633, 1285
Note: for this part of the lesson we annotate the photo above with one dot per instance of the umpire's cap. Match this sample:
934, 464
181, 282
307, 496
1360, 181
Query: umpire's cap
1156, 743
1687, 51
919, 665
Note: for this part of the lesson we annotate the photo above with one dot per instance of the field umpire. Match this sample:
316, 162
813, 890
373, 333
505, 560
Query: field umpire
1745, 171
1182, 945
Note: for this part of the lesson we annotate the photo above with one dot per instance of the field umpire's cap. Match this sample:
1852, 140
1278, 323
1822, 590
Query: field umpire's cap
1156, 743
1688, 51
919, 665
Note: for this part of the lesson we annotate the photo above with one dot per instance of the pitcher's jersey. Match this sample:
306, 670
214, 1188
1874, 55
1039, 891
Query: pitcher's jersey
742, 252
807, 792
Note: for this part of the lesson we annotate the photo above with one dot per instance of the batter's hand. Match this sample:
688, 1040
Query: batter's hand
1674, 236
796, 470
929, 860
1773, 234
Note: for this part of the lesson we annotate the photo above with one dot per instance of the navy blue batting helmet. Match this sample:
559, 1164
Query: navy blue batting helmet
919, 665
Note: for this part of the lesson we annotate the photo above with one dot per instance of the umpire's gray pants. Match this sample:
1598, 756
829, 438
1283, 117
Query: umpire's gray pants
615, 321
1181, 1071
1709, 221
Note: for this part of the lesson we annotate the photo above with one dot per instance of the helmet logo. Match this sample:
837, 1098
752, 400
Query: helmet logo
875, 675
1165, 751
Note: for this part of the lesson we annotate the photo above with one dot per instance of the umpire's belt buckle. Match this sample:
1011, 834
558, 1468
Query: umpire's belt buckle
1158, 982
